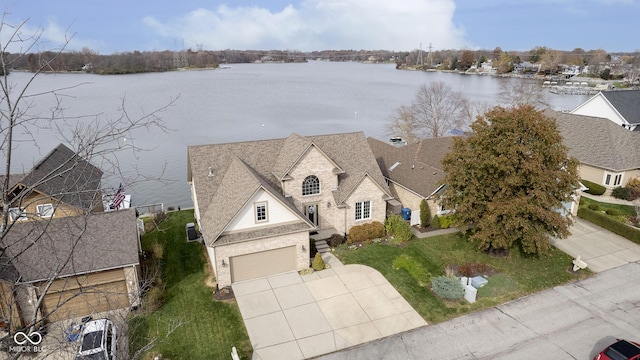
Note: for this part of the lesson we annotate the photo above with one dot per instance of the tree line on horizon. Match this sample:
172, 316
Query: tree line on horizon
461, 60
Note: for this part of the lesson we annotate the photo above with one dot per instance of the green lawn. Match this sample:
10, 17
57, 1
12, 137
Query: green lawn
625, 210
408, 268
190, 324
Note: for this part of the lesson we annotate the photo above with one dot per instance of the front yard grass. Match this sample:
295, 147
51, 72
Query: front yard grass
189, 324
519, 274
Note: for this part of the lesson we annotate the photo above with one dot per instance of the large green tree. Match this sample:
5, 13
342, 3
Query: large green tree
507, 180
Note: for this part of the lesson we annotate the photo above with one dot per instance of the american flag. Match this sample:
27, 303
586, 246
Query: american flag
118, 198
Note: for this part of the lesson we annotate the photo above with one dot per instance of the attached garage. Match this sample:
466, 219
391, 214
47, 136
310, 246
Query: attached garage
264, 263
79, 296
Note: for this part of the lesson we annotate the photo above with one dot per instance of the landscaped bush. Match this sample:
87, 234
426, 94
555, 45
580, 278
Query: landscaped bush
594, 188
472, 269
397, 227
610, 224
318, 263
425, 214
365, 232
626, 193
435, 222
613, 212
447, 287
335, 240
446, 221
594, 207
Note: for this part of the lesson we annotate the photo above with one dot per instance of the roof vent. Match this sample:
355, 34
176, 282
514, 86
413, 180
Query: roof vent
210, 171
394, 166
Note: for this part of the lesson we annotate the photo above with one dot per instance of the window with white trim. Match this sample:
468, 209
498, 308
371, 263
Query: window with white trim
363, 210
613, 179
17, 214
311, 185
261, 212
45, 210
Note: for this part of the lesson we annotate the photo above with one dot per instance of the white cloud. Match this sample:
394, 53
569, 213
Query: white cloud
318, 25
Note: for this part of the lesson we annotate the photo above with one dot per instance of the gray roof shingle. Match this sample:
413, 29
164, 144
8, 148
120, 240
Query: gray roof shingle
38, 250
65, 176
598, 142
419, 164
626, 102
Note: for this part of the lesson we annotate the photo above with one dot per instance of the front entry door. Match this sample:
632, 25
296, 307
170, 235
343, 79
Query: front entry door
311, 211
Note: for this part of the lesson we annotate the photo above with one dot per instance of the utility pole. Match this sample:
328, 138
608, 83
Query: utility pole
420, 60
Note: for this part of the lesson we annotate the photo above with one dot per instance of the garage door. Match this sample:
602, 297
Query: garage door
86, 295
250, 266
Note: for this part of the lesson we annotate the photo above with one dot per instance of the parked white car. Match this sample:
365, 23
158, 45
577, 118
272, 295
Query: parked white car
98, 341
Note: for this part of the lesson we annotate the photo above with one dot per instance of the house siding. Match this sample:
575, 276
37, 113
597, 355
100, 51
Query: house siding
31, 202
314, 163
224, 252
599, 107
367, 190
277, 213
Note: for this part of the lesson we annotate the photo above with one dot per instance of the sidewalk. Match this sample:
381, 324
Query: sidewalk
428, 234
607, 199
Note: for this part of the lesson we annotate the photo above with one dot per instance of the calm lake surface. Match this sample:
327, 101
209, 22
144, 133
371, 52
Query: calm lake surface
245, 102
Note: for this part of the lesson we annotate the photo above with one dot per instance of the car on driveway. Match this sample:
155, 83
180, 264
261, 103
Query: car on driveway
620, 350
98, 341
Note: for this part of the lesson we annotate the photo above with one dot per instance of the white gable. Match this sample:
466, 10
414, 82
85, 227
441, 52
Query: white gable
598, 106
277, 213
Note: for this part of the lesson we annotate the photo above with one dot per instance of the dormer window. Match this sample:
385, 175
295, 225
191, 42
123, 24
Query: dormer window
45, 210
17, 214
311, 185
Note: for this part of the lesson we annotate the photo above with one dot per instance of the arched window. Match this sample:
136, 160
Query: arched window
311, 185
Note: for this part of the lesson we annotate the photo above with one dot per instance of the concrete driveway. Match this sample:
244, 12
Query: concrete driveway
598, 247
289, 316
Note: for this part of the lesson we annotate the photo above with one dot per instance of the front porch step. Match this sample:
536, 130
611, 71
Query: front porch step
322, 246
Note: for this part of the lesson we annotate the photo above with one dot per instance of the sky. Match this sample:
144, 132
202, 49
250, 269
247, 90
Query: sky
306, 25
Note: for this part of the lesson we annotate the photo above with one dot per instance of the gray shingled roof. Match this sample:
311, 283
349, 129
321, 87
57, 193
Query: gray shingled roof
223, 194
38, 249
626, 102
65, 176
598, 142
419, 168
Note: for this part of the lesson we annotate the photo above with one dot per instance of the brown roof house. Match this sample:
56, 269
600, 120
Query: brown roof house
256, 201
608, 153
413, 172
61, 256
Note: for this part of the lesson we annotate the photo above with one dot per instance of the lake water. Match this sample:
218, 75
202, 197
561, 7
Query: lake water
245, 102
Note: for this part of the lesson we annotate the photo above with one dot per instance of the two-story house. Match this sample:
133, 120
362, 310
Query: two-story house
62, 256
256, 201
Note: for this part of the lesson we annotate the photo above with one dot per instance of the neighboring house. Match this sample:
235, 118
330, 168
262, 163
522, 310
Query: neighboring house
414, 172
621, 106
57, 231
61, 184
82, 264
256, 201
608, 153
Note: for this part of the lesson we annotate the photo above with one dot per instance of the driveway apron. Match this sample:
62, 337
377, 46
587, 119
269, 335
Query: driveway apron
289, 316
598, 247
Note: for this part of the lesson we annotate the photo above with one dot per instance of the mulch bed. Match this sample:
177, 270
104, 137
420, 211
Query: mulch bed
226, 293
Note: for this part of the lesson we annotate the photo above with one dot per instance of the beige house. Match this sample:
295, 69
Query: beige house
256, 201
61, 248
413, 172
608, 153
